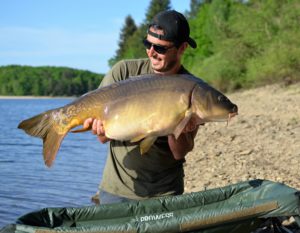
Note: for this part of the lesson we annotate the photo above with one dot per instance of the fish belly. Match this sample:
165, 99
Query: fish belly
156, 113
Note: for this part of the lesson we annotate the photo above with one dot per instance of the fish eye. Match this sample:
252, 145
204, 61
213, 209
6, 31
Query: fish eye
222, 98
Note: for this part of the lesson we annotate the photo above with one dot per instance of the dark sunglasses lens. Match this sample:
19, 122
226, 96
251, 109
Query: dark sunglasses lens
157, 48
160, 49
147, 44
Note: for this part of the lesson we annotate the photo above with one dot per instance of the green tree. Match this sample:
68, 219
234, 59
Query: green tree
127, 31
133, 46
194, 8
49, 81
155, 7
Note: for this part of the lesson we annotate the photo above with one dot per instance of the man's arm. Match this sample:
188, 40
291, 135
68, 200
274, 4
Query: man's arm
183, 144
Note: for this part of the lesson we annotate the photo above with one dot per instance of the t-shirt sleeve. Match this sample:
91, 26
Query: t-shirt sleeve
117, 73
125, 69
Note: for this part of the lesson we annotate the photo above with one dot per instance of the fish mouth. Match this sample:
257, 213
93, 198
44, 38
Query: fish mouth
231, 115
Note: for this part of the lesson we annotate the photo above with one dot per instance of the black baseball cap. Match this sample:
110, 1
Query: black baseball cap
175, 26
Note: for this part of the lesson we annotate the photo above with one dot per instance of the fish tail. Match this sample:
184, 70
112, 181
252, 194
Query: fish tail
44, 127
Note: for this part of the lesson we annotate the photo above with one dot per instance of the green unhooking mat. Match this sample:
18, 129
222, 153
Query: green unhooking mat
235, 208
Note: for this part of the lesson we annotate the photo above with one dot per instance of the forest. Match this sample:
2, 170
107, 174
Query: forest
46, 81
241, 44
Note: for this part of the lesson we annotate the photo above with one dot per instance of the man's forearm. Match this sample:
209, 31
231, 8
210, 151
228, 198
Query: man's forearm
183, 144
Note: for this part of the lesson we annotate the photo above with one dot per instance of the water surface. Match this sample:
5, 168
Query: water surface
26, 183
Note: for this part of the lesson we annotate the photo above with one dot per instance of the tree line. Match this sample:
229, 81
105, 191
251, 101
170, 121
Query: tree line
241, 43
46, 81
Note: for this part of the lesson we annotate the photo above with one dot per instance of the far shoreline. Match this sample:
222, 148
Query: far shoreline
35, 97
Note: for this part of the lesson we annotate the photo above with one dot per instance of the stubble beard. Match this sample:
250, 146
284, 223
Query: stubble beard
169, 66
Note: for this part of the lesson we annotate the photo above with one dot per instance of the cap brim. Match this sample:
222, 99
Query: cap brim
192, 43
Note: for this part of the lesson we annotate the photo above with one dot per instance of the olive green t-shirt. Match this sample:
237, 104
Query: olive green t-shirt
129, 174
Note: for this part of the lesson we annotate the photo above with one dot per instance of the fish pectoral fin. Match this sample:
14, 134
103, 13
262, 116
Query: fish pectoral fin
146, 144
82, 129
179, 128
138, 138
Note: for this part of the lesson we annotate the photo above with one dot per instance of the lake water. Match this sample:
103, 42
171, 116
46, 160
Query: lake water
26, 184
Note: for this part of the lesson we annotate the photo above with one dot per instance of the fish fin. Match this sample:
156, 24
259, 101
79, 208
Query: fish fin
43, 126
146, 144
51, 144
138, 138
81, 130
179, 128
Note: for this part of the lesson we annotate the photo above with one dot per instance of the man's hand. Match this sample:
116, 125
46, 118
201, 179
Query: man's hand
192, 124
97, 128
185, 142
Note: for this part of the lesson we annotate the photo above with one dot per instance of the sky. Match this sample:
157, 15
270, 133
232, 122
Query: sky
80, 34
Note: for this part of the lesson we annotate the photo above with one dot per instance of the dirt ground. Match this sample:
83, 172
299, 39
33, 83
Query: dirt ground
263, 141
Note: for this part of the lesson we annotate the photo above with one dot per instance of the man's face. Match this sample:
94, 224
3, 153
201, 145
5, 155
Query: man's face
162, 63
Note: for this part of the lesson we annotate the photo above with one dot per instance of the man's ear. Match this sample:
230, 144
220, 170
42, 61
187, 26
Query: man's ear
183, 47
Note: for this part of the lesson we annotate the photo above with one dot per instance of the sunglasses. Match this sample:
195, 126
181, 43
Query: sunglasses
157, 48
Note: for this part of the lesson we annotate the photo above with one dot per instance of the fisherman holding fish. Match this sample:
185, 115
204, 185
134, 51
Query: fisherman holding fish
128, 175
148, 111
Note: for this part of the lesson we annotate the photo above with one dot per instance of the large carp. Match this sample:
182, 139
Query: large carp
138, 109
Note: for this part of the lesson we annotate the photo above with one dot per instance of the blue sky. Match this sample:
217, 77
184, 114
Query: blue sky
81, 34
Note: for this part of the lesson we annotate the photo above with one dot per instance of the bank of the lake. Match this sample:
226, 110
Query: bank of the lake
263, 141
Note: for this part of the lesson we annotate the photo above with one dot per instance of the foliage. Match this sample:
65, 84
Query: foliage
133, 46
156, 6
126, 32
46, 81
241, 43
194, 8
246, 44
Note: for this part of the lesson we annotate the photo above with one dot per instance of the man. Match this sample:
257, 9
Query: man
128, 175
